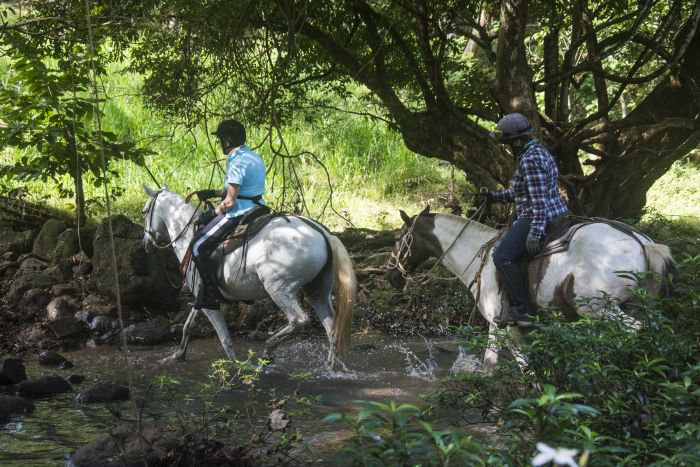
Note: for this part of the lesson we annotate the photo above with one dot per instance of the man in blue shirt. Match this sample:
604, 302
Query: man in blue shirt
535, 191
243, 190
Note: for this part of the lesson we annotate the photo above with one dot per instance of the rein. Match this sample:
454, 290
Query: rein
151, 234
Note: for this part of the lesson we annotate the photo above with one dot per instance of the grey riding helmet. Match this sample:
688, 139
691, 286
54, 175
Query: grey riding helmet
511, 127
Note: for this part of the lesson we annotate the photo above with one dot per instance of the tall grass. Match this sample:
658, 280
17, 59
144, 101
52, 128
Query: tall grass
372, 174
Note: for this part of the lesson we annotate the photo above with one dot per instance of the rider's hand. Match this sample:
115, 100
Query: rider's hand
484, 197
533, 245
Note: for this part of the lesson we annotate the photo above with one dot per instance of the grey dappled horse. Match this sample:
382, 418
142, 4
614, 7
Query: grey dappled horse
285, 256
589, 268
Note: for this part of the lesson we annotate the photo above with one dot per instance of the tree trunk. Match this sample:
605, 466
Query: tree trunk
76, 173
660, 130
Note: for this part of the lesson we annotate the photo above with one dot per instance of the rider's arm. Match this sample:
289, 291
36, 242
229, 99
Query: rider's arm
503, 196
230, 199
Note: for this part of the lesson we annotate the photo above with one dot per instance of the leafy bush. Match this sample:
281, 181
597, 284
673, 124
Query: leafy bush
611, 395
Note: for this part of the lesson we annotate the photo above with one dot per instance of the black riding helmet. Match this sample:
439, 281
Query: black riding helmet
231, 132
512, 127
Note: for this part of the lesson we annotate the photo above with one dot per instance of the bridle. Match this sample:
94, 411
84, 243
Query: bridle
404, 251
397, 258
151, 235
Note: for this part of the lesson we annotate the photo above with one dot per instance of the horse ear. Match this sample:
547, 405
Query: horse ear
425, 211
149, 191
406, 218
164, 187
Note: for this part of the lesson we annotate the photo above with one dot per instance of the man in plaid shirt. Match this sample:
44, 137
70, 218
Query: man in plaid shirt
536, 195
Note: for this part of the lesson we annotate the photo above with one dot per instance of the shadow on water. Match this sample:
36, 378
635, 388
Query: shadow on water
376, 368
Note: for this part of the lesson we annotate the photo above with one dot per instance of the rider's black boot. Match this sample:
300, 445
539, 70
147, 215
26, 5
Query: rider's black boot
208, 295
520, 313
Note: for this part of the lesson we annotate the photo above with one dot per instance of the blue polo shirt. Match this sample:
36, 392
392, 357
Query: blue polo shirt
245, 168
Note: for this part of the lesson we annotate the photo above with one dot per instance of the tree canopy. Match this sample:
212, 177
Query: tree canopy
608, 85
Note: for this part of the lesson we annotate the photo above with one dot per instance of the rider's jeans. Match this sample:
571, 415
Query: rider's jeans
512, 247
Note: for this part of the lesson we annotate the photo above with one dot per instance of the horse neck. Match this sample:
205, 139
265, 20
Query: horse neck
176, 214
461, 241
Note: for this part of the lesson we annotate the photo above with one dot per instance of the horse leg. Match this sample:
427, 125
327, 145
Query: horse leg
186, 330
324, 310
319, 294
287, 301
491, 353
217, 320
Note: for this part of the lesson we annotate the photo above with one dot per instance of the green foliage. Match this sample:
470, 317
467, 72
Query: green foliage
48, 112
614, 396
391, 434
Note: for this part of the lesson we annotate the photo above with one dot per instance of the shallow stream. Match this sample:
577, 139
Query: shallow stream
377, 368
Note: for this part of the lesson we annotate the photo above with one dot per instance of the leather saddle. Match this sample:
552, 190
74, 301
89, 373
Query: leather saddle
251, 224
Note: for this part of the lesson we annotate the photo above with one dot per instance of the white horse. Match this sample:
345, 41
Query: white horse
286, 255
589, 268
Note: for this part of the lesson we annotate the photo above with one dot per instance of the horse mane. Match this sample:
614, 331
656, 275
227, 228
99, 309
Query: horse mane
461, 220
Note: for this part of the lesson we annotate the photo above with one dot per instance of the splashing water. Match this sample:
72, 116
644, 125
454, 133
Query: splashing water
465, 363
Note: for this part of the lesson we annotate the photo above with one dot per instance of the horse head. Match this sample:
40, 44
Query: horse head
414, 244
154, 228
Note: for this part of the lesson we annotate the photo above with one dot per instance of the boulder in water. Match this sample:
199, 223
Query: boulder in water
12, 371
11, 405
104, 392
153, 331
44, 386
51, 358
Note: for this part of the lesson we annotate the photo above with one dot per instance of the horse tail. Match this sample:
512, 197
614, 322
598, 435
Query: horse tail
660, 261
345, 285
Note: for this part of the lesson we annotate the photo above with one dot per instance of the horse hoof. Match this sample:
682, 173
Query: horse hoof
178, 356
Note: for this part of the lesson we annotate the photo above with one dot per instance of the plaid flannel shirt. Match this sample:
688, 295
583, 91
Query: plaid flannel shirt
534, 189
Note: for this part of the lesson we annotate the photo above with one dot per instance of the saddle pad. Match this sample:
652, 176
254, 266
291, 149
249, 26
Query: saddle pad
251, 224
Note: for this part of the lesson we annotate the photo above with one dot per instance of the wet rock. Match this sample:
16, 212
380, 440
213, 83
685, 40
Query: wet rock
104, 392
24, 256
84, 316
44, 386
13, 405
34, 302
69, 288
102, 324
8, 269
99, 305
17, 242
33, 264
67, 245
125, 449
109, 338
12, 371
75, 379
51, 358
59, 273
65, 366
144, 280
45, 242
61, 307
64, 327
8, 389
153, 331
